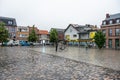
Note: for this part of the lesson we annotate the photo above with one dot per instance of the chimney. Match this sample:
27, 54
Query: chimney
107, 15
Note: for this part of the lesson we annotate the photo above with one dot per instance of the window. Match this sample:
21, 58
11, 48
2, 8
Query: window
24, 30
117, 44
110, 21
104, 32
104, 23
110, 32
118, 21
10, 22
12, 29
117, 32
20, 35
110, 43
74, 35
23, 35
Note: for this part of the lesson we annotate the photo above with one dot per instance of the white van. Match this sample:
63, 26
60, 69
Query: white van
13, 43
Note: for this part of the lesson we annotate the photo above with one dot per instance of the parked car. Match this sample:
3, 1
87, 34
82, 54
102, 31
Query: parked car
24, 43
4, 44
12, 43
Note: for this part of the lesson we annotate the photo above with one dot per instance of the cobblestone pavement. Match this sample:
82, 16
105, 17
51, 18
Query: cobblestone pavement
22, 63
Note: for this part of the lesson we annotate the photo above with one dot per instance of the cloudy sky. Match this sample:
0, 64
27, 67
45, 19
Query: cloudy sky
58, 13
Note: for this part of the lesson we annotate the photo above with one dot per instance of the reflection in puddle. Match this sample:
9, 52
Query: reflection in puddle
43, 49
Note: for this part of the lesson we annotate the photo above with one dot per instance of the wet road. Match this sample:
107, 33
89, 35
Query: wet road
23, 63
106, 58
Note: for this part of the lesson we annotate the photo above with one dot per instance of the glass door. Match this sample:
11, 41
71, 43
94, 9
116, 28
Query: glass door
117, 43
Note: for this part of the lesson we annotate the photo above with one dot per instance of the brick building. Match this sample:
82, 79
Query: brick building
22, 33
111, 28
60, 33
36, 30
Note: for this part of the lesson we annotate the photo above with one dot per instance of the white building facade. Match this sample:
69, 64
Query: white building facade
78, 34
71, 33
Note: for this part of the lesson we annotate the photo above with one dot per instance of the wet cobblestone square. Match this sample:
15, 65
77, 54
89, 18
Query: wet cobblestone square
22, 63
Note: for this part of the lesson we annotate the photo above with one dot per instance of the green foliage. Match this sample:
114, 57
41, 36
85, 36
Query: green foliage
53, 35
3, 33
32, 36
99, 39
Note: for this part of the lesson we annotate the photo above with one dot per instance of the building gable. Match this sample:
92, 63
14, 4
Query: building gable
71, 33
71, 29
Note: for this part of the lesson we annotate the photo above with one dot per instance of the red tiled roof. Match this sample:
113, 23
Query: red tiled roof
43, 32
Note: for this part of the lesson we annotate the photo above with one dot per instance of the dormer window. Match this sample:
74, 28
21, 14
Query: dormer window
118, 21
111, 22
104, 23
10, 22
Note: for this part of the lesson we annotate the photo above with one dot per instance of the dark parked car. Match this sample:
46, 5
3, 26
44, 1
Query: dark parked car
24, 43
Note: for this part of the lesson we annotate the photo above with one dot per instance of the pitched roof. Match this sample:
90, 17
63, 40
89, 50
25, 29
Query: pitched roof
22, 26
81, 28
114, 16
59, 30
6, 17
8, 21
43, 32
77, 27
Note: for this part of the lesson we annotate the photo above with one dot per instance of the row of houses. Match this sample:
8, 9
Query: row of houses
22, 32
74, 34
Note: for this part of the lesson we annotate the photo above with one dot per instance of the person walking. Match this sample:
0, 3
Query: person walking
56, 46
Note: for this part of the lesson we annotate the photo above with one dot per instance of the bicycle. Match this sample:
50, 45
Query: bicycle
61, 46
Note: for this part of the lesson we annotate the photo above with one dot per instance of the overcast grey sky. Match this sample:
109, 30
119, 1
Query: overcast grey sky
58, 13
